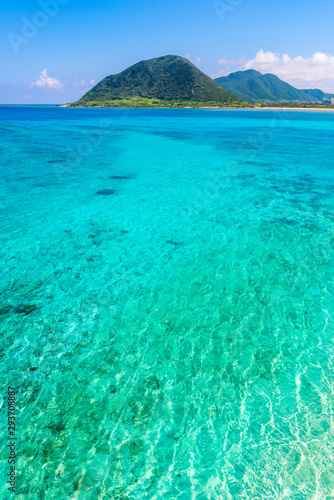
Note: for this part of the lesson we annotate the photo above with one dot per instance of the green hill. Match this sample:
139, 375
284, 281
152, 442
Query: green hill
318, 95
168, 81
252, 86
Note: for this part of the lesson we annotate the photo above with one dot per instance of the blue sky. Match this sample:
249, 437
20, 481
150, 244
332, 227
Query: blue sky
52, 51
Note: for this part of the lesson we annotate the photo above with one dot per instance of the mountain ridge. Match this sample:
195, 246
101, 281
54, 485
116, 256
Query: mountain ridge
253, 86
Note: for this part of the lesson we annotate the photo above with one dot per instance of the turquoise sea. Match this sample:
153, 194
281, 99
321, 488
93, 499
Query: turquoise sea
167, 302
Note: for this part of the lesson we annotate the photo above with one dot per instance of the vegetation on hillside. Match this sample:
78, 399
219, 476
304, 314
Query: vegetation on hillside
141, 102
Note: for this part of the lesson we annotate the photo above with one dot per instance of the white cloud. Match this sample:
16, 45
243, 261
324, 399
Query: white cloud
47, 82
92, 82
318, 67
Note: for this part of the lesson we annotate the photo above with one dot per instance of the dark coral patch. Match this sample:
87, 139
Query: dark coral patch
25, 309
170, 242
106, 192
152, 383
5, 310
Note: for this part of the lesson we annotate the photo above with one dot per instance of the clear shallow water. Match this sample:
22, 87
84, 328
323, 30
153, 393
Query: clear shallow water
172, 336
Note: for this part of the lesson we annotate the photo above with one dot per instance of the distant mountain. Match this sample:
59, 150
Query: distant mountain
252, 86
318, 95
167, 81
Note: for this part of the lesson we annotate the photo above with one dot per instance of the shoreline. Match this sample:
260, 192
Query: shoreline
253, 108
295, 109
